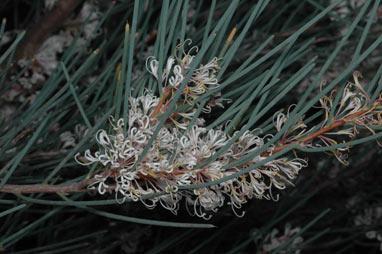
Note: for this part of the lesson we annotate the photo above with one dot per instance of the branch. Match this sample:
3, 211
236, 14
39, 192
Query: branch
37, 34
37, 188
161, 102
335, 124
81, 186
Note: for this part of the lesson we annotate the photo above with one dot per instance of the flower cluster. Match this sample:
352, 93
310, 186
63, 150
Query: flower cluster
371, 217
202, 79
353, 110
69, 139
176, 153
274, 240
182, 155
173, 160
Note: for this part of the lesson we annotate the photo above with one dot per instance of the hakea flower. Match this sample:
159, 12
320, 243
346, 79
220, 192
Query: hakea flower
279, 119
202, 80
354, 109
371, 218
273, 240
69, 139
172, 161
181, 155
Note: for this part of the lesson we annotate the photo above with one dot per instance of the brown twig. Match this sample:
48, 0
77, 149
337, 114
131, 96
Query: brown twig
22, 135
37, 188
161, 102
335, 124
36, 35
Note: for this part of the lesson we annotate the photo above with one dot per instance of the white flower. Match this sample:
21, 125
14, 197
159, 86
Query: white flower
68, 140
49, 4
154, 66
173, 159
178, 154
102, 186
148, 101
274, 240
177, 79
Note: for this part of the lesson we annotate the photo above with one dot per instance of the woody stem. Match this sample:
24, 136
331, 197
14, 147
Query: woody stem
320, 132
81, 186
37, 188
161, 102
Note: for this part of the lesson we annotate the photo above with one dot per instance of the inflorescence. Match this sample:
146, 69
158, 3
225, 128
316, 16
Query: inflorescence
173, 159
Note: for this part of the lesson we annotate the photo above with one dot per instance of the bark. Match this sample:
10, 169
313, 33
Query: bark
36, 35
